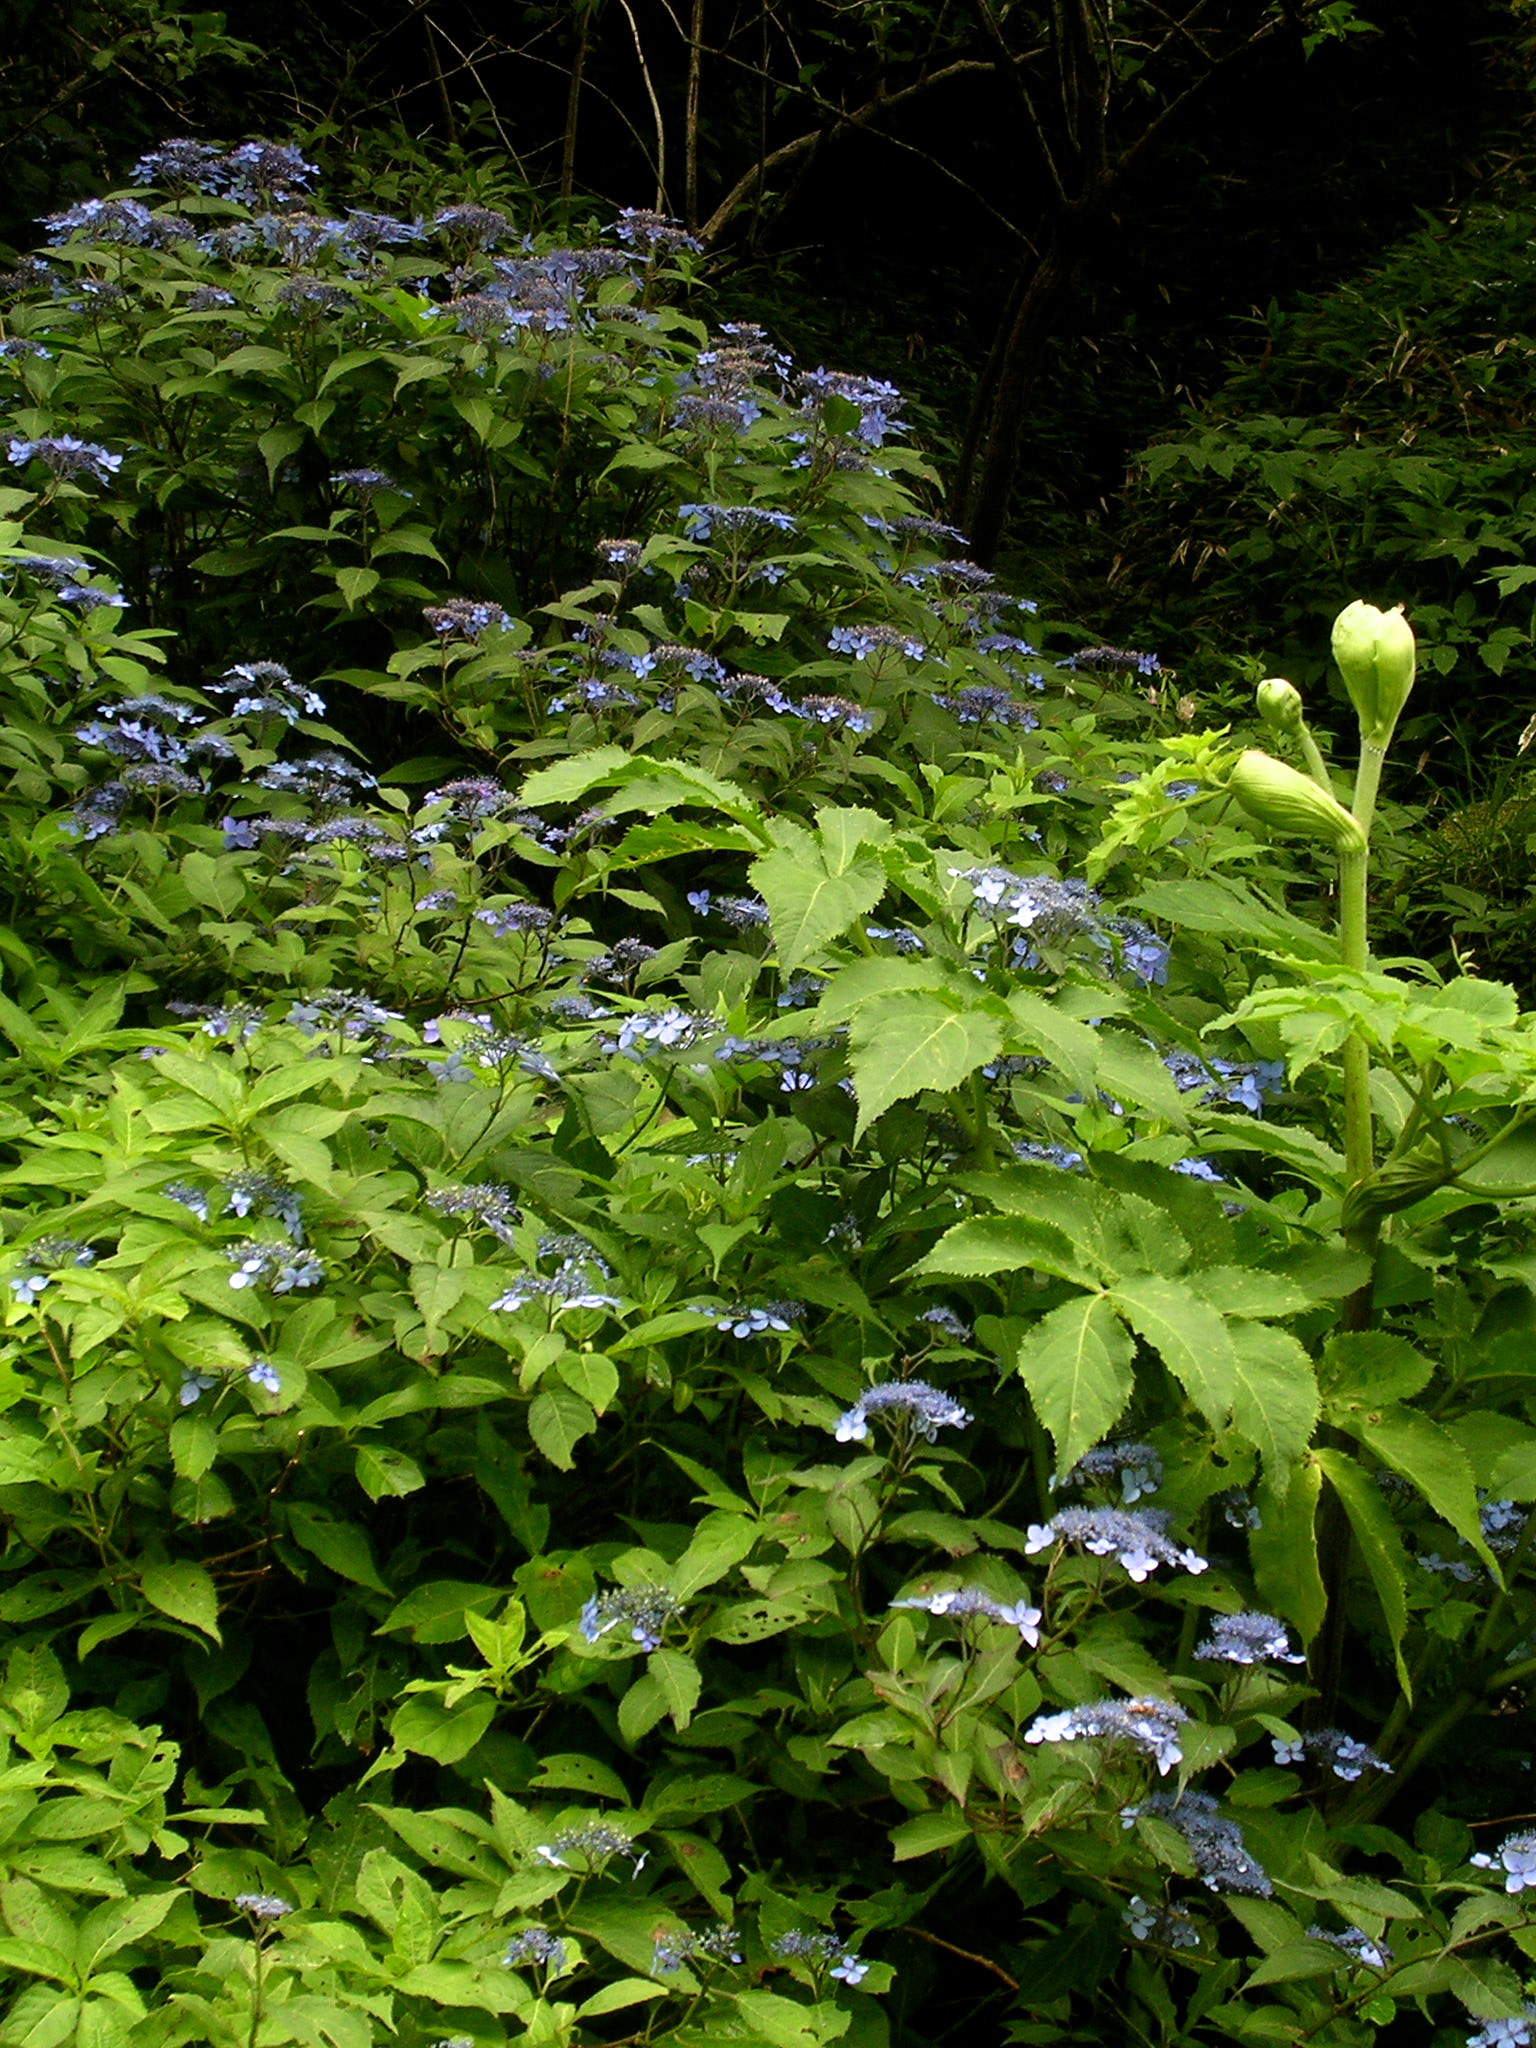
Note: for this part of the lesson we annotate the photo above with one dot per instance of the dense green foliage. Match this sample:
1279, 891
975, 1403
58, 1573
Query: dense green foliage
641, 1119
1383, 428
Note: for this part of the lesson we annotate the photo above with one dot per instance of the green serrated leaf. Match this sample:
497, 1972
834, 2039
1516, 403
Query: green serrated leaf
905, 1044
1380, 1546
557, 1421
1078, 1364
1191, 1338
810, 903
680, 1682
185, 1592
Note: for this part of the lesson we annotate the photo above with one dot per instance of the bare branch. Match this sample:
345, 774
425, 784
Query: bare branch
661, 132
1196, 90
969, 1955
752, 180
1010, 69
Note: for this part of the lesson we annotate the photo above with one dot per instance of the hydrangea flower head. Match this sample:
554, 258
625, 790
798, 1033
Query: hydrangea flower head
262, 1905
596, 1844
823, 1952
1136, 1538
1248, 1639
966, 1601
923, 1407
1151, 1725
536, 1945
66, 455
716, 1945
1356, 1944
1342, 1754
1161, 1925
1515, 1857
1215, 1843
1137, 1467
644, 1611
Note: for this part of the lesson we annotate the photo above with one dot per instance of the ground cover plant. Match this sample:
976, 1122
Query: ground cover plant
736, 1309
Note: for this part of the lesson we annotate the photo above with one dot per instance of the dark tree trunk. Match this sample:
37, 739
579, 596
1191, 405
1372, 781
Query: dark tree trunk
980, 501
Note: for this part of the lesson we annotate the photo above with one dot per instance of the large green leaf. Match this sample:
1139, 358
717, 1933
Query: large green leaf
1190, 1337
1379, 1545
1077, 1365
905, 1044
343, 1546
1071, 1047
986, 1245
1274, 1392
814, 892
557, 1421
1283, 1547
1429, 1458
1364, 1368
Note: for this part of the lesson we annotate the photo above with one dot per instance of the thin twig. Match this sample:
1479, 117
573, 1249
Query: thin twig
661, 132
969, 1955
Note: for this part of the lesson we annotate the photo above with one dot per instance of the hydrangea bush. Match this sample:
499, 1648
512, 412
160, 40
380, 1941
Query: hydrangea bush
728, 1319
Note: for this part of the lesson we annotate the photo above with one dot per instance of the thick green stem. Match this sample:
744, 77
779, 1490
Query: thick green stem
1359, 1152
1367, 782
1354, 951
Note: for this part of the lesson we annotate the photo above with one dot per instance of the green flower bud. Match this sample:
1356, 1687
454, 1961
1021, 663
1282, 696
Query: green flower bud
1282, 797
1280, 707
1375, 654
1396, 1185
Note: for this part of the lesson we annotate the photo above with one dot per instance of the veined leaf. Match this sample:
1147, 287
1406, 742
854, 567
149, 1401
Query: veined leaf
1381, 1548
810, 901
1070, 1046
905, 1044
1077, 1363
1284, 1548
1190, 1337
984, 1245
1274, 1392
1429, 1458
184, 1591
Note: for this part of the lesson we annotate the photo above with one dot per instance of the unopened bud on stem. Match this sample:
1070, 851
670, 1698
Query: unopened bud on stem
1282, 797
1280, 707
1375, 654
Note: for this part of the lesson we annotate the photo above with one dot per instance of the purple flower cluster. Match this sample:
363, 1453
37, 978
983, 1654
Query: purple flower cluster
277, 1267
748, 1319
1248, 1639
923, 1408
536, 1945
1136, 1538
1147, 1724
1137, 1467
1241, 1084
1515, 1858
1356, 1944
66, 456
596, 1844
1342, 1754
968, 1601
715, 1945
44, 1257
1162, 1925
821, 1951
1215, 1843
484, 1202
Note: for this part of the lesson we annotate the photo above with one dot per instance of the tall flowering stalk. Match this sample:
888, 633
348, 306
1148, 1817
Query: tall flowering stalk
1376, 657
